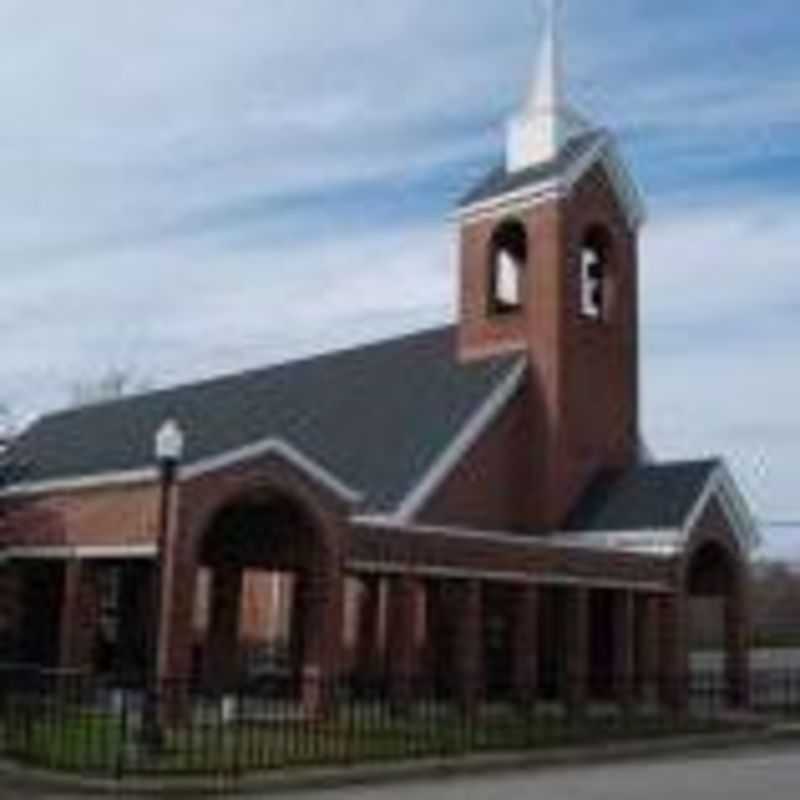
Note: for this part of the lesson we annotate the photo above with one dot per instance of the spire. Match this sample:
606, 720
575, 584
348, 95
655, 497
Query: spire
538, 133
546, 86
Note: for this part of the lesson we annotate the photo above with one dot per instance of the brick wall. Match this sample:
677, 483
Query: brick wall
583, 413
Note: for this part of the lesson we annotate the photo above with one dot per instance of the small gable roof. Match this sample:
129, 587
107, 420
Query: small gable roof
499, 181
645, 497
376, 418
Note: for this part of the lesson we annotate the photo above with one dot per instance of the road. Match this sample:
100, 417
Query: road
735, 775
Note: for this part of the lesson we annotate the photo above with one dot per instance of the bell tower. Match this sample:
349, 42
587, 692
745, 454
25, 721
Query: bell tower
549, 269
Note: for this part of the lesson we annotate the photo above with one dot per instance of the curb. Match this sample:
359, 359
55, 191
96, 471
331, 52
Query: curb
300, 780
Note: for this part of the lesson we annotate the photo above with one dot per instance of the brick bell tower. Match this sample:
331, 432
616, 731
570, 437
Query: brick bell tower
548, 268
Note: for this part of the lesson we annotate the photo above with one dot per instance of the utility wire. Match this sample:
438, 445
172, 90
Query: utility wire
779, 523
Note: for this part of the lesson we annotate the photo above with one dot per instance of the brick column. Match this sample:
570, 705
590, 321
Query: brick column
673, 651
368, 657
576, 620
222, 647
321, 592
402, 642
468, 644
10, 609
78, 617
646, 647
623, 657
526, 644
737, 645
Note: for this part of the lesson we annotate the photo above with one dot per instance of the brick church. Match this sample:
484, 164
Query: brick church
470, 507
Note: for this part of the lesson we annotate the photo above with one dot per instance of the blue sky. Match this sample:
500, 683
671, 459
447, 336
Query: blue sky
194, 187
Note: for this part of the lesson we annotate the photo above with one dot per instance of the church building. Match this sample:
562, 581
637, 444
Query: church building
469, 508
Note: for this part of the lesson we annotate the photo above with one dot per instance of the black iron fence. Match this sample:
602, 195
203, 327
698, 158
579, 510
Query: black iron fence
83, 724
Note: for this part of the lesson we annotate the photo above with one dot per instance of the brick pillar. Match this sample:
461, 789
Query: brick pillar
468, 644
576, 620
526, 644
403, 640
737, 644
624, 652
674, 651
321, 592
78, 617
368, 657
646, 647
10, 610
222, 647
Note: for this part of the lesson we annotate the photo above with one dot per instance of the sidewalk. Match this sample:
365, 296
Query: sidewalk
29, 782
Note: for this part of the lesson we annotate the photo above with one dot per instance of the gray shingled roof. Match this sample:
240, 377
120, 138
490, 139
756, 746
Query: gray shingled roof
649, 496
499, 182
376, 416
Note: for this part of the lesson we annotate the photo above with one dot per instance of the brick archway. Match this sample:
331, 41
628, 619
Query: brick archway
253, 495
271, 532
716, 572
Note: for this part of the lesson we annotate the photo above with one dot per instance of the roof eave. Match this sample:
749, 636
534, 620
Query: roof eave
604, 150
193, 470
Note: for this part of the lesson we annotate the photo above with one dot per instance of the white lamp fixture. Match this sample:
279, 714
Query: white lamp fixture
169, 442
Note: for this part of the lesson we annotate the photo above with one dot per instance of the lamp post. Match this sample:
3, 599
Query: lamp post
168, 450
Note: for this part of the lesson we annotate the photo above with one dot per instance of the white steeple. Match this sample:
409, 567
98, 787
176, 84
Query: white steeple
537, 134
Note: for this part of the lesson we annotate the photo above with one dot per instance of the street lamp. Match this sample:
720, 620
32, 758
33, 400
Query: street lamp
168, 446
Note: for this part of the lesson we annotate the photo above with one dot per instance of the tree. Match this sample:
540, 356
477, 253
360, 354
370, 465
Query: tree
8, 430
776, 604
112, 384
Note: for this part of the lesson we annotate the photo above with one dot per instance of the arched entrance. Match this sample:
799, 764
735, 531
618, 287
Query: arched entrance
718, 615
274, 598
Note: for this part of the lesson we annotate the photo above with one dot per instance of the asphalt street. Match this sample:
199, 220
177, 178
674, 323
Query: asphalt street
730, 776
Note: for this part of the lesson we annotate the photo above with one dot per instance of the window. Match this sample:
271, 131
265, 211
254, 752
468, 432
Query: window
594, 269
509, 253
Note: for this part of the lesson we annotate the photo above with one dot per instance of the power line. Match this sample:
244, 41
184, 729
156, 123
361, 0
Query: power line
779, 523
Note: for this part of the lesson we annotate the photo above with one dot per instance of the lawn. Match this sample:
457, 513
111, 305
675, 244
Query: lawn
90, 742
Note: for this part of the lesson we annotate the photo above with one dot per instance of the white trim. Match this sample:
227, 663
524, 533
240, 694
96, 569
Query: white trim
603, 151
498, 576
722, 485
656, 542
131, 477
651, 542
510, 202
277, 447
458, 448
79, 552
633, 203
190, 471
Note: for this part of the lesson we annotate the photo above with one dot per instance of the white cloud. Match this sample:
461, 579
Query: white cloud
198, 186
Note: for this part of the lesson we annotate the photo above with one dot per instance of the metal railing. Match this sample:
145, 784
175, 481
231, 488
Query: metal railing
79, 723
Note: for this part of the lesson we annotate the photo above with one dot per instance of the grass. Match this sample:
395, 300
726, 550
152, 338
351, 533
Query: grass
104, 744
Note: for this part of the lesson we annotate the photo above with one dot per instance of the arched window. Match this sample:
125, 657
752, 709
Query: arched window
509, 254
595, 267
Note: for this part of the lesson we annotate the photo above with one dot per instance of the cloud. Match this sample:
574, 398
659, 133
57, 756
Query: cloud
199, 187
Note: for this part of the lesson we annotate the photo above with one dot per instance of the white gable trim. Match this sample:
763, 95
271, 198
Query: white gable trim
722, 486
458, 448
604, 151
191, 471
276, 447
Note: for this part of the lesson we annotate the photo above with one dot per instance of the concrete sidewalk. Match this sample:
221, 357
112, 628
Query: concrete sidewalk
16, 781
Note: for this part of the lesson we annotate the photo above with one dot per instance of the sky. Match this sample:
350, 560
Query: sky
190, 187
